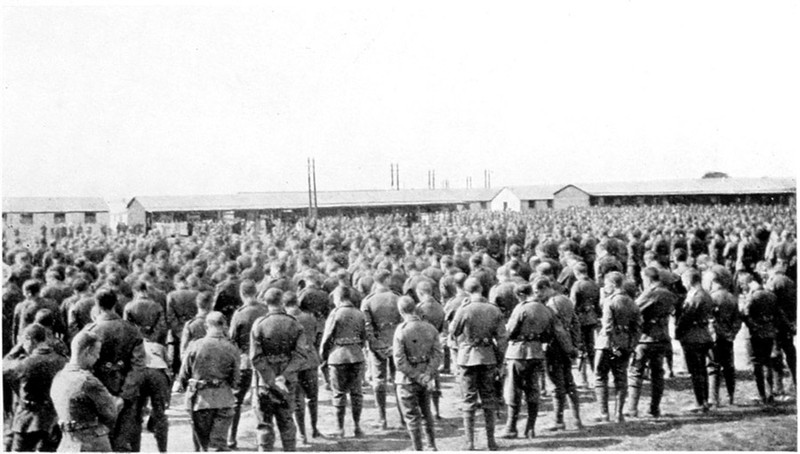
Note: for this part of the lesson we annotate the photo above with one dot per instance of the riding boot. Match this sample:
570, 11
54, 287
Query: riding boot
510, 430
357, 405
601, 393
380, 402
340, 411
633, 404
530, 424
435, 401
576, 408
715, 385
620, 403
300, 422
429, 433
416, 438
558, 412
469, 431
312, 415
489, 418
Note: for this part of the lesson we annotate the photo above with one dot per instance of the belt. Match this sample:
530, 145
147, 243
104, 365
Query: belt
30, 404
280, 358
418, 359
74, 426
206, 384
385, 325
347, 341
624, 329
528, 338
486, 342
114, 366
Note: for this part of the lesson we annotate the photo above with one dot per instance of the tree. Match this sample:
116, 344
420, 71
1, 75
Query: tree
716, 175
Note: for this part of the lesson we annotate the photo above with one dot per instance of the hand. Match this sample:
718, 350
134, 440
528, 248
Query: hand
178, 388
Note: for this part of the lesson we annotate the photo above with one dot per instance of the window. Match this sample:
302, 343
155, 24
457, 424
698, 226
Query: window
90, 217
531, 204
505, 206
59, 218
549, 204
483, 205
26, 218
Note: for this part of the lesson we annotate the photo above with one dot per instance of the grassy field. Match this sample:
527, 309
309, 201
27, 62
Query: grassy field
744, 426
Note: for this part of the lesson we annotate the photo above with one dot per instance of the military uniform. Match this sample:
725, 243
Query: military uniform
481, 334
120, 368
226, 297
761, 315
277, 349
559, 360
620, 326
585, 294
341, 347
656, 305
85, 409
785, 291
25, 314
193, 330
692, 330
307, 379
241, 325
417, 353
180, 309
156, 389
531, 325
78, 314
502, 295
209, 372
725, 326
34, 417
382, 318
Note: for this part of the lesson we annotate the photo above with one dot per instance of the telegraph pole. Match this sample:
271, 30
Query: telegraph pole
308, 172
314, 174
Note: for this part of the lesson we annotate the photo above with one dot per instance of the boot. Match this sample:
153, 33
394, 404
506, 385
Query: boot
300, 422
469, 431
234, 428
575, 402
435, 401
429, 433
530, 424
558, 412
416, 438
380, 402
602, 398
511, 424
715, 385
489, 418
620, 395
289, 444
312, 415
357, 405
339, 422
633, 405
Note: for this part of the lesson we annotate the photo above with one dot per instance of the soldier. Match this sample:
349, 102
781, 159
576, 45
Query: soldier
502, 295
120, 368
725, 326
34, 418
620, 326
314, 300
450, 309
208, 374
85, 409
559, 355
25, 311
241, 325
196, 327
307, 380
785, 291
417, 353
478, 327
382, 318
180, 309
226, 294
585, 294
431, 311
656, 304
692, 330
277, 352
761, 315
341, 348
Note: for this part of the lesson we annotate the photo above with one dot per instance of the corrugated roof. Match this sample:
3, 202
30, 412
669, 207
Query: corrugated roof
53, 204
325, 199
710, 186
535, 192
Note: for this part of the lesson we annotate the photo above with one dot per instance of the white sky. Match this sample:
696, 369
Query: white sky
123, 101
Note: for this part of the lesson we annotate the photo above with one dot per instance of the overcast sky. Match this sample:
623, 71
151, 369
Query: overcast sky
123, 101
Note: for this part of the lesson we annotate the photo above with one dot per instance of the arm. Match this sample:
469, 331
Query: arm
327, 336
258, 359
400, 358
134, 377
103, 401
299, 354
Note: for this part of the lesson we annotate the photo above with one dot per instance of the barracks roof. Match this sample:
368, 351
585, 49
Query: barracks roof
325, 199
708, 186
537, 192
53, 204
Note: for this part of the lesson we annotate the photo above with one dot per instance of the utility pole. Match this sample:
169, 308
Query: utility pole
314, 173
433, 185
391, 169
397, 180
308, 172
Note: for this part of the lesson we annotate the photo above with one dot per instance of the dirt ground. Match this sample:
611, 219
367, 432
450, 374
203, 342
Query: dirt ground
744, 426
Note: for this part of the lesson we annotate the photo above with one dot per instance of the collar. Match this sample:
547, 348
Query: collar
277, 311
411, 318
104, 316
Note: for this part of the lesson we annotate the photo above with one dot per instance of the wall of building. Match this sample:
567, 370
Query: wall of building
506, 200
570, 197
136, 214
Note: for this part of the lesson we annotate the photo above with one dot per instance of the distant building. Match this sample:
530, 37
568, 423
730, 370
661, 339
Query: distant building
28, 214
524, 198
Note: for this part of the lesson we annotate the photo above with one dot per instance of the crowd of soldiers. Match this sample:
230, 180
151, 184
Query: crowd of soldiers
99, 331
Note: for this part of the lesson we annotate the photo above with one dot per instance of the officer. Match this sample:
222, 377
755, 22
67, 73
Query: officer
196, 327
481, 334
531, 324
761, 315
431, 311
307, 380
341, 348
241, 325
692, 330
382, 318
180, 309
209, 372
620, 326
277, 352
30, 377
120, 368
656, 305
585, 294
725, 325
417, 353
559, 355
86, 410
